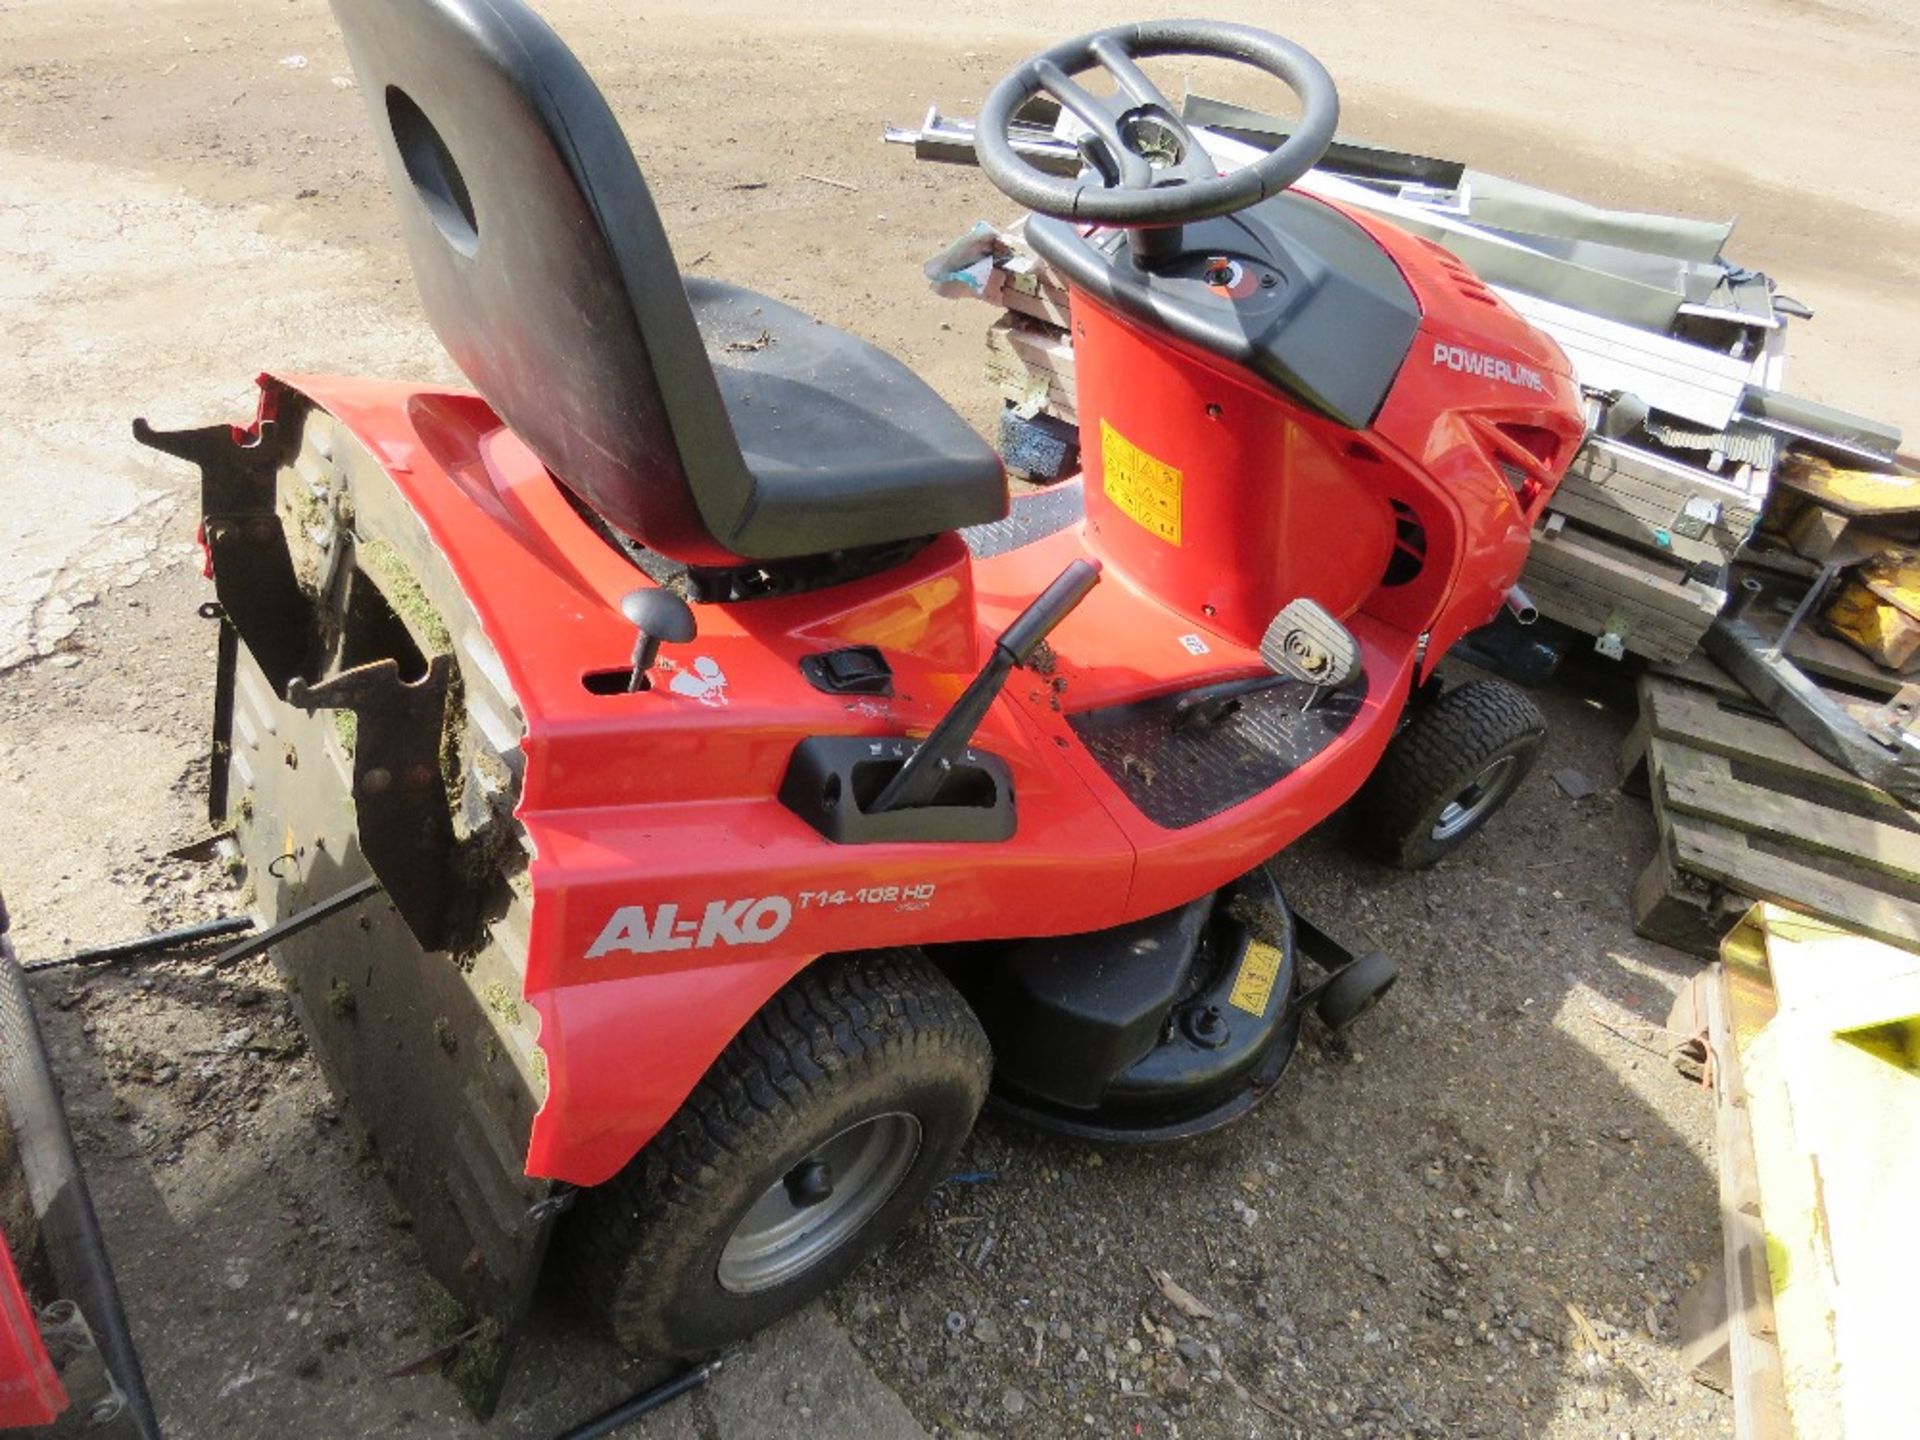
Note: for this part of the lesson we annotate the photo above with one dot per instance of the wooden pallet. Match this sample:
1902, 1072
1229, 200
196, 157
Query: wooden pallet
1649, 603
1741, 1352
1662, 505
1026, 287
1828, 659
1746, 811
1030, 362
1871, 495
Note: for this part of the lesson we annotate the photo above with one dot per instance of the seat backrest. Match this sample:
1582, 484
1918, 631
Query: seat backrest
543, 265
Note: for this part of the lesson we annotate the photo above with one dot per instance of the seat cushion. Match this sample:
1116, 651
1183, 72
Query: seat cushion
847, 446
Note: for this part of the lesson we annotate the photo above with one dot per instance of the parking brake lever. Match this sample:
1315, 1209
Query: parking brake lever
919, 779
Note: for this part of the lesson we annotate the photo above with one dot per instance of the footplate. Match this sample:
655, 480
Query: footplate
1186, 757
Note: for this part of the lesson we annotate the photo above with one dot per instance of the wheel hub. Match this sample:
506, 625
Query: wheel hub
1482, 794
809, 1183
819, 1203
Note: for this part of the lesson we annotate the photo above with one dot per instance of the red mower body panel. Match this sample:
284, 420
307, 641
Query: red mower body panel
672, 891
1228, 498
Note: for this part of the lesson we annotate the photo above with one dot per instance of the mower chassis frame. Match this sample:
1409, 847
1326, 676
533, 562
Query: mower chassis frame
410, 1000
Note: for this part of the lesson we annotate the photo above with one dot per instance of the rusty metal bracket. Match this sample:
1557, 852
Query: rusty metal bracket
399, 789
252, 566
1819, 720
406, 828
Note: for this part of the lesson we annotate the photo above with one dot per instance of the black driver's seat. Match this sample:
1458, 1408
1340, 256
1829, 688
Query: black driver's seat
712, 425
864, 444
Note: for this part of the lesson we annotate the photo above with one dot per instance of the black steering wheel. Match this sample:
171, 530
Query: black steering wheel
1147, 170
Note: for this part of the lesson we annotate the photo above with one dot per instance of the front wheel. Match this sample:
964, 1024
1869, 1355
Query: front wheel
1447, 771
815, 1135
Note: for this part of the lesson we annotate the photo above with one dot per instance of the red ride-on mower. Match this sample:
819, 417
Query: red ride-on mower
750, 785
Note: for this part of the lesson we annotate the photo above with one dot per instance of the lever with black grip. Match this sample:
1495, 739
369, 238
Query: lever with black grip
918, 781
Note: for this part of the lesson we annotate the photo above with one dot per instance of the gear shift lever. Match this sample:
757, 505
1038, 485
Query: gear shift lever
660, 616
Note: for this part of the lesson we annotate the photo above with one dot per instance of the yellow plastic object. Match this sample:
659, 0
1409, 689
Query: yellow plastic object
1854, 492
1834, 1099
1877, 609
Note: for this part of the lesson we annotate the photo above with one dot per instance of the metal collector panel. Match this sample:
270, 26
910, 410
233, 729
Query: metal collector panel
434, 1052
62, 1210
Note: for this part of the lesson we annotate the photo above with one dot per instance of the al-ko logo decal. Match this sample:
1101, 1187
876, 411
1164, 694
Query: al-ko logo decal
631, 930
1490, 367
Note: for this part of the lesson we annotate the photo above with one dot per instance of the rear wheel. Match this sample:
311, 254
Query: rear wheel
1447, 771
818, 1131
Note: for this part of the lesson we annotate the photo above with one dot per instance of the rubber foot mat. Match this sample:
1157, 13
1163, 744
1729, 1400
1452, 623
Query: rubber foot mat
1180, 770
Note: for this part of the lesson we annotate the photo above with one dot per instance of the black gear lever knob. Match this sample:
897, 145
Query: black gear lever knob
661, 617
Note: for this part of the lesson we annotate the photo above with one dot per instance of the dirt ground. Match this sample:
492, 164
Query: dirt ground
1476, 1219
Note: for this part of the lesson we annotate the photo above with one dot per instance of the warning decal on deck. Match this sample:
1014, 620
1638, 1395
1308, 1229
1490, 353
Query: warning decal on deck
1146, 490
1253, 986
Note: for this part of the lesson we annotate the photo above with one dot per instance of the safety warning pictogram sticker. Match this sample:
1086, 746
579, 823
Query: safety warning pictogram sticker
1145, 489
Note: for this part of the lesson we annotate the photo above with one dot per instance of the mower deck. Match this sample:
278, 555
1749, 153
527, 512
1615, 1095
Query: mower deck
1157, 1031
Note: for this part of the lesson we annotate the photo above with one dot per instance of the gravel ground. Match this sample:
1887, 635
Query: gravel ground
1475, 1216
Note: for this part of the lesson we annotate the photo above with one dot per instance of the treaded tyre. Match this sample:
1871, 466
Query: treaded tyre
820, 1129
1446, 772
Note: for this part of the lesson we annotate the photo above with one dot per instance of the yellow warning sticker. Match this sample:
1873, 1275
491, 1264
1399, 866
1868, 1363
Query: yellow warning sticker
1146, 490
1253, 986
